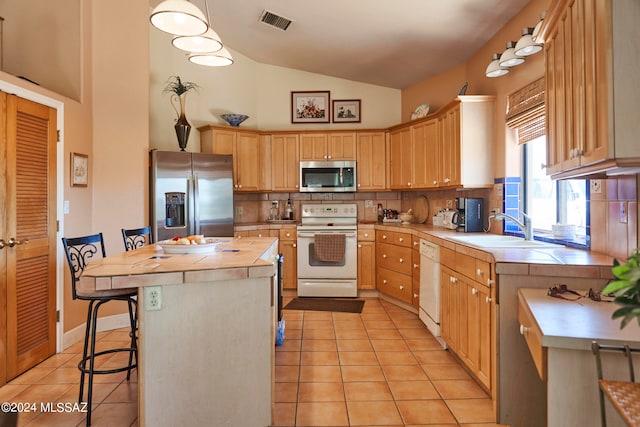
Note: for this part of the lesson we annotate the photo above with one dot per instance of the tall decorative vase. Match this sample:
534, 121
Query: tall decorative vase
182, 126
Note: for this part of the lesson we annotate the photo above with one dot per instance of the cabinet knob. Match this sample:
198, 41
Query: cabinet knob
487, 300
259, 234
358, 185
415, 243
384, 237
401, 239
446, 180
359, 245
401, 287
435, 182
415, 296
384, 256
408, 184
474, 291
490, 282
479, 272
294, 245
523, 330
288, 234
366, 234
239, 185
384, 281
416, 265
401, 260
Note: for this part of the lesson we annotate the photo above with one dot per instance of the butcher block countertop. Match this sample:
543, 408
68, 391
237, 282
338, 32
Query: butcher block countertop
575, 324
149, 266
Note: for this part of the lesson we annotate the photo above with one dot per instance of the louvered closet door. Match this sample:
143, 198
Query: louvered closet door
30, 215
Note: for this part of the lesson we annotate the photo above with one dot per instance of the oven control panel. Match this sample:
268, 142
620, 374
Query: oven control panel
348, 210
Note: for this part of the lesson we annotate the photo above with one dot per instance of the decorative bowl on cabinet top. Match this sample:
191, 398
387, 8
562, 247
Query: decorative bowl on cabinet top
234, 119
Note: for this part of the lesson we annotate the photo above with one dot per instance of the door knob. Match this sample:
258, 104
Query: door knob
13, 242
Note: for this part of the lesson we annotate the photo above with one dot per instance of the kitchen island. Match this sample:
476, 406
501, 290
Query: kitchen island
206, 326
559, 333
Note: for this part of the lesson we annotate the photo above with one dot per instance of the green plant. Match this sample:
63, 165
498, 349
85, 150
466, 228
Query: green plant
626, 289
178, 87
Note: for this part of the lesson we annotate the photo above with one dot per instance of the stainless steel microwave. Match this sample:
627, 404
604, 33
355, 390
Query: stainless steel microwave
328, 177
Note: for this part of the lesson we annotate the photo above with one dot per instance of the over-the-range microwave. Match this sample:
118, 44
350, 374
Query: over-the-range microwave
328, 177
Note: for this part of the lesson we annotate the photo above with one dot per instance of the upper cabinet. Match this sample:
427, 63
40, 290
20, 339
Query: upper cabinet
591, 57
371, 160
246, 148
328, 146
285, 169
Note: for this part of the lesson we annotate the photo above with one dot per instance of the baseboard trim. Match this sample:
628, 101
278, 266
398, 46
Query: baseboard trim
106, 323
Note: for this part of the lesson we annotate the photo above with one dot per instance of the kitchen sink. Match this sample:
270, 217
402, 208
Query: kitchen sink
499, 241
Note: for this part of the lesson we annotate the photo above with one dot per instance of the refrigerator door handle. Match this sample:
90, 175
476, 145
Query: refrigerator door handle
196, 203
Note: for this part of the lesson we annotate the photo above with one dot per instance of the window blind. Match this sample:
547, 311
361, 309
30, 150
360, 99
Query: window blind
526, 112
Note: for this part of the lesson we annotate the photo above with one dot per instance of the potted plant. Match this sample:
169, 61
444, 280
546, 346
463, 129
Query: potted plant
626, 289
178, 90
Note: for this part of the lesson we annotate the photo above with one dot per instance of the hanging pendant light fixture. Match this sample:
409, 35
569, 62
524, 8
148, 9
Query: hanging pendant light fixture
509, 57
536, 29
526, 46
220, 58
494, 69
207, 42
180, 18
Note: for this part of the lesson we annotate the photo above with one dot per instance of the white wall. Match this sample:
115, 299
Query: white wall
263, 92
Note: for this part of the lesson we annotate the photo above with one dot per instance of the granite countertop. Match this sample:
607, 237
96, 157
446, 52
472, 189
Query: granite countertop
150, 266
575, 324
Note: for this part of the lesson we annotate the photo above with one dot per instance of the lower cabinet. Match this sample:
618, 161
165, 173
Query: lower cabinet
467, 320
288, 246
366, 259
394, 265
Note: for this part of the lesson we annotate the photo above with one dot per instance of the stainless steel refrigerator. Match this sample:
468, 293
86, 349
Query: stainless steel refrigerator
191, 193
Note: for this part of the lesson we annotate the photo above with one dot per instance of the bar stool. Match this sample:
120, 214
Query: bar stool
135, 238
79, 251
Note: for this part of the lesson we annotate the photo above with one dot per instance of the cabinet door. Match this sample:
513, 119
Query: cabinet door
284, 159
289, 250
313, 146
425, 154
246, 158
217, 141
371, 161
450, 148
400, 161
449, 307
485, 325
342, 146
366, 265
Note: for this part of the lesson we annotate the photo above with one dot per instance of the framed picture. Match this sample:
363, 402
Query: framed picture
346, 111
79, 170
310, 107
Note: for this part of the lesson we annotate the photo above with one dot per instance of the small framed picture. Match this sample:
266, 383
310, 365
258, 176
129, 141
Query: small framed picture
310, 107
346, 111
79, 170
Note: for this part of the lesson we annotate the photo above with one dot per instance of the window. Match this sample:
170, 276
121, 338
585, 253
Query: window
550, 202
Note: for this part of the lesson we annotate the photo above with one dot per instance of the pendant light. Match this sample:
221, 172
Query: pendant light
180, 18
207, 42
494, 69
220, 58
536, 29
526, 46
509, 57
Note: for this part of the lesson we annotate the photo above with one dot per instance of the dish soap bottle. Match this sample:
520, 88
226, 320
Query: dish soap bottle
288, 211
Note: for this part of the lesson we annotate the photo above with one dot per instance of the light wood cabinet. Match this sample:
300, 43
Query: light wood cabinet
366, 259
331, 146
394, 265
467, 311
246, 150
288, 247
285, 174
591, 102
415, 272
371, 160
426, 154
400, 159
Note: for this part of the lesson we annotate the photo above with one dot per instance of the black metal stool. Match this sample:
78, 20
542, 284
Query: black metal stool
135, 238
79, 251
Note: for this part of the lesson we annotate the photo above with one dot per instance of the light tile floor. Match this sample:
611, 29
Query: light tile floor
380, 367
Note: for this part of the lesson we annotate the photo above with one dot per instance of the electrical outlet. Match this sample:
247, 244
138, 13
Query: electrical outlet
496, 211
368, 203
596, 186
152, 298
450, 204
274, 204
239, 210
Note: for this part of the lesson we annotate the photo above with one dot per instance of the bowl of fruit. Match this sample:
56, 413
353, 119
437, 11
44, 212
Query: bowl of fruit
195, 244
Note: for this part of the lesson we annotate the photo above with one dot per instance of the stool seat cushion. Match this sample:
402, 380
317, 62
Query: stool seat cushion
108, 293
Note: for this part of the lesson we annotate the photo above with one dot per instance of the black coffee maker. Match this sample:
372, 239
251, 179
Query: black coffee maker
468, 216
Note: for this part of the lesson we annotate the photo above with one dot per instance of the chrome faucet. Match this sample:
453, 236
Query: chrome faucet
527, 227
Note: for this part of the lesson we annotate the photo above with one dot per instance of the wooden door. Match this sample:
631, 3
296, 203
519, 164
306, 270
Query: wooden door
371, 161
366, 265
342, 146
284, 158
485, 327
400, 159
247, 160
313, 147
28, 194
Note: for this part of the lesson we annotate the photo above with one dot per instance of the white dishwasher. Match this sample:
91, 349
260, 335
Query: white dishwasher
430, 288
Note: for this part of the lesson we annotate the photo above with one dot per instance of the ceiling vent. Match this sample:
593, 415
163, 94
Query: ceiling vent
274, 20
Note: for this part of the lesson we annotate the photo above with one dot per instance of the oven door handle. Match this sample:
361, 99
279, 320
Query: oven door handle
348, 234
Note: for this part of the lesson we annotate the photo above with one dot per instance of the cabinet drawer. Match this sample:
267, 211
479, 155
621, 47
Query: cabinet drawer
288, 234
448, 257
394, 258
466, 265
367, 235
402, 239
483, 273
395, 284
533, 337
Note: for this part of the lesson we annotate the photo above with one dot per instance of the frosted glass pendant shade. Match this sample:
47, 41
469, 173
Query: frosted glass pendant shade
494, 69
179, 17
526, 46
509, 57
220, 58
207, 42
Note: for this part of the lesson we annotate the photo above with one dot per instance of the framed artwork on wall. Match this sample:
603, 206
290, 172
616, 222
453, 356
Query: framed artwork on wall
346, 111
79, 170
310, 107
